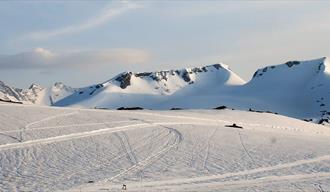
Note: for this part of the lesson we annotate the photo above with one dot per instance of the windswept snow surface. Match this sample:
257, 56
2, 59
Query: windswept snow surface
70, 149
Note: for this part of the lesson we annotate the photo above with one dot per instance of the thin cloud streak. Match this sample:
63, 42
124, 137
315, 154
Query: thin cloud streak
41, 58
107, 15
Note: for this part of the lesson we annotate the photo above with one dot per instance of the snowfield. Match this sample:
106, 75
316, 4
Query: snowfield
71, 149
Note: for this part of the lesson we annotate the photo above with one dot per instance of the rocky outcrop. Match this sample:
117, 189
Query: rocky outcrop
124, 79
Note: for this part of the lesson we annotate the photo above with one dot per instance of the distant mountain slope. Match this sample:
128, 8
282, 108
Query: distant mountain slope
299, 89
35, 94
12, 94
152, 88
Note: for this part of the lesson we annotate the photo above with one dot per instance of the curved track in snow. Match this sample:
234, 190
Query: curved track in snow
138, 144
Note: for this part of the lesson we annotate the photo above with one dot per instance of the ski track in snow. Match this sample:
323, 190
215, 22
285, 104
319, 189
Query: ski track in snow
61, 126
235, 174
232, 184
208, 148
190, 182
149, 159
137, 165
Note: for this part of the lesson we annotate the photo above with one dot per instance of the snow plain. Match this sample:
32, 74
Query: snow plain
71, 149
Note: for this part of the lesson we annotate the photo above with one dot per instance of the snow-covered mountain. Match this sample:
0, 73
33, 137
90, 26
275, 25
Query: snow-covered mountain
154, 89
297, 89
35, 94
11, 94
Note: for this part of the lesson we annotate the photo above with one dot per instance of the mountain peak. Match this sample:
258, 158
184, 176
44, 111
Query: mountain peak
303, 67
186, 74
35, 86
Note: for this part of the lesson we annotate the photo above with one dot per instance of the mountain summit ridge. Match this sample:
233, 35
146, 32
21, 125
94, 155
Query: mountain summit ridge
295, 88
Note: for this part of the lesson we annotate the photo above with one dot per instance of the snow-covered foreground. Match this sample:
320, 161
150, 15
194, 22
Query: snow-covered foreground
66, 149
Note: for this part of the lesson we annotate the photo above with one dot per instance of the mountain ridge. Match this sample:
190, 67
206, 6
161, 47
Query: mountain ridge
295, 88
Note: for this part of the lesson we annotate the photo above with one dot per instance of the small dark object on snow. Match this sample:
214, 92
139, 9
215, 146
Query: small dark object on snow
176, 108
221, 107
130, 108
124, 187
90, 181
234, 126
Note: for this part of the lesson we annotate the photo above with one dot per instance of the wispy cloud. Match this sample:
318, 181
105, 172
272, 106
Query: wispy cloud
41, 58
109, 13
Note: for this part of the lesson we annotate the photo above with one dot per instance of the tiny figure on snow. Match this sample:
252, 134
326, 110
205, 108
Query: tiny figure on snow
124, 187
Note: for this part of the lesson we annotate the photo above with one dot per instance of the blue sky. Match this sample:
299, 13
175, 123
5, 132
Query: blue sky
85, 42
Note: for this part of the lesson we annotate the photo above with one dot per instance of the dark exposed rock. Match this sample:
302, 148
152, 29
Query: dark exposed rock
176, 108
103, 108
221, 107
292, 63
197, 70
9, 101
161, 75
319, 67
234, 126
308, 120
217, 66
146, 74
321, 121
124, 79
93, 91
130, 108
255, 74
98, 86
264, 69
252, 110
186, 76
35, 86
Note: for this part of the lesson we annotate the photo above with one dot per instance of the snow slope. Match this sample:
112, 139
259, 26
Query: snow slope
71, 149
